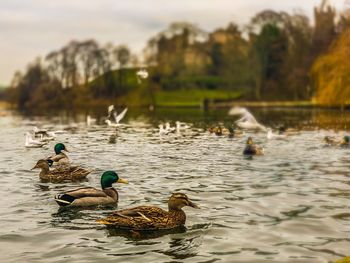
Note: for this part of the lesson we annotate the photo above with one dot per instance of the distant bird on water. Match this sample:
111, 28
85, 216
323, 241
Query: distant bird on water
30, 142
247, 120
114, 118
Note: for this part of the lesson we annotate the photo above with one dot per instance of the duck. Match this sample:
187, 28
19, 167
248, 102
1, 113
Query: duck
59, 157
232, 133
217, 130
32, 143
90, 196
61, 173
252, 149
345, 142
143, 218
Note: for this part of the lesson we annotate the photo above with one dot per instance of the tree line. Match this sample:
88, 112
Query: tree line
277, 56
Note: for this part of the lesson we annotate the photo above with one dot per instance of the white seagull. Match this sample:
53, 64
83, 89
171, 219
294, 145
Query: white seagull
112, 114
247, 121
31, 143
181, 126
166, 130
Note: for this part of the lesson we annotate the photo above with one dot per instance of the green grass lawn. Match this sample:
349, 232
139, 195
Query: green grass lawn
191, 97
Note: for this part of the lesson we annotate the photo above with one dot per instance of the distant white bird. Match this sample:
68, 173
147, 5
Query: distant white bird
162, 130
247, 121
141, 74
166, 130
113, 115
270, 135
181, 126
90, 120
32, 143
169, 128
44, 135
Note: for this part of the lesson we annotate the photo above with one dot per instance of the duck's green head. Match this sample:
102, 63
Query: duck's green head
59, 147
346, 138
110, 177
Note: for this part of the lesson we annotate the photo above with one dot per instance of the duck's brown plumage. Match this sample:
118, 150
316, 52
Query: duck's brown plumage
151, 217
61, 173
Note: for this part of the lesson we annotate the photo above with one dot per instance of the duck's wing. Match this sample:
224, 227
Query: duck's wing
78, 172
139, 218
86, 192
84, 196
120, 116
148, 211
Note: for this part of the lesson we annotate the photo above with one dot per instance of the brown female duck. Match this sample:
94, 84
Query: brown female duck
252, 149
61, 173
151, 217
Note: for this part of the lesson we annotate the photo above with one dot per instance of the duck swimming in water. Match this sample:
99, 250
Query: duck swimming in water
252, 149
345, 142
90, 196
61, 173
151, 217
59, 157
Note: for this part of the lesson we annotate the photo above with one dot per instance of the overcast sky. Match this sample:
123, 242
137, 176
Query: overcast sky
31, 28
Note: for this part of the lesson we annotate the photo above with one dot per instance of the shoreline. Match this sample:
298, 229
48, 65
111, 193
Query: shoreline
208, 105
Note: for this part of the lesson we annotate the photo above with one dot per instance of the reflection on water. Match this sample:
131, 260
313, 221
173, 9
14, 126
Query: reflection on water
290, 205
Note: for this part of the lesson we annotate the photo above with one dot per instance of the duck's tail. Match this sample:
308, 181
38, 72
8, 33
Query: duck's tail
64, 199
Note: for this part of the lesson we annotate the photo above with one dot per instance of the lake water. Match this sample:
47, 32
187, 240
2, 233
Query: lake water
290, 205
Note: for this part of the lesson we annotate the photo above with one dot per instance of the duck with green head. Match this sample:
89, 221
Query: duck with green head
89, 196
252, 149
61, 173
59, 157
144, 218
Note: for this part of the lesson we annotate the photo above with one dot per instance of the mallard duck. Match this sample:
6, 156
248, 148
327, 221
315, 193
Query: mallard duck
345, 141
217, 130
252, 149
151, 217
232, 133
59, 157
89, 196
61, 173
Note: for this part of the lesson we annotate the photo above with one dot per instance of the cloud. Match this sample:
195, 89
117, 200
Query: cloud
35, 27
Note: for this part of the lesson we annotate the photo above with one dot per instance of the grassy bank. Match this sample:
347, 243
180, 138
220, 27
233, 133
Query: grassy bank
192, 97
